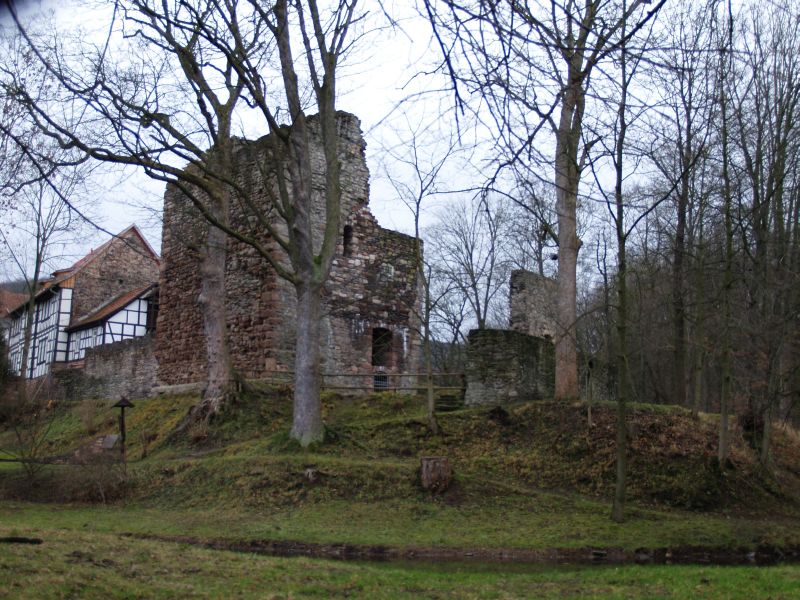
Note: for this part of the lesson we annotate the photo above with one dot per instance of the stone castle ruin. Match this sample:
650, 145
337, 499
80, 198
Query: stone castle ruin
532, 300
371, 305
517, 363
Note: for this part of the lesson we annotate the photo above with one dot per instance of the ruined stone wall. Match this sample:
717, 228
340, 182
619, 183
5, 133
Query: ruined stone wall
373, 285
124, 265
504, 366
127, 368
532, 300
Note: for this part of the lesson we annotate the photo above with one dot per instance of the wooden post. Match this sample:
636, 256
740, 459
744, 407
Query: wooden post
436, 472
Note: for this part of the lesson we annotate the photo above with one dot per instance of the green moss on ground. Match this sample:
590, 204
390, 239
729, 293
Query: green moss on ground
529, 475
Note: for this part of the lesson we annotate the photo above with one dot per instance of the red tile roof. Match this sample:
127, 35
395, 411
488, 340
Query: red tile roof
109, 308
10, 300
63, 274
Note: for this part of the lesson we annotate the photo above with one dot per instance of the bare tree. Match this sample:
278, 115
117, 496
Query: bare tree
725, 57
38, 225
35, 233
765, 110
467, 246
424, 164
685, 82
532, 227
32, 233
43, 187
532, 64
168, 87
627, 208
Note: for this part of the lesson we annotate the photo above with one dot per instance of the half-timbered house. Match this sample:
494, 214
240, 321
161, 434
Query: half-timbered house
106, 296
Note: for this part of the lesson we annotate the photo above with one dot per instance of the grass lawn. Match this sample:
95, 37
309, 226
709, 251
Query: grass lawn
531, 476
71, 564
558, 522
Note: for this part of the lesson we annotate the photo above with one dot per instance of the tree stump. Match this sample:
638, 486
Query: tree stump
435, 473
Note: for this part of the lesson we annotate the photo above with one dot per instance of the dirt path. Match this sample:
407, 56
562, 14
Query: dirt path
761, 555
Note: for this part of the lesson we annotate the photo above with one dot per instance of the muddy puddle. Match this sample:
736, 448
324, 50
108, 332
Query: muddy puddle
680, 555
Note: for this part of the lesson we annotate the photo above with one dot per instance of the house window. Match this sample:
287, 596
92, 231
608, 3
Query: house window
381, 347
347, 240
152, 315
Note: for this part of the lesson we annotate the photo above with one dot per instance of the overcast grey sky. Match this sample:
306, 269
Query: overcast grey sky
386, 67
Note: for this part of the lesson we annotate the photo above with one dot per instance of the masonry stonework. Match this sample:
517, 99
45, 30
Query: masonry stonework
532, 300
505, 366
373, 286
126, 263
126, 368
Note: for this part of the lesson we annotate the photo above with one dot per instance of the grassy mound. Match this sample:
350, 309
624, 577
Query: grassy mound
245, 458
526, 476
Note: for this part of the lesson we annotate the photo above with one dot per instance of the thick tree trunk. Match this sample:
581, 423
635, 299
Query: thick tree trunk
215, 327
435, 473
566, 303
567, 178
307, 425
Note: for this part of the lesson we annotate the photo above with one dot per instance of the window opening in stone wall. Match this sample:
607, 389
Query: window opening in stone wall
380, 382
348, 240
381, 347
385, 273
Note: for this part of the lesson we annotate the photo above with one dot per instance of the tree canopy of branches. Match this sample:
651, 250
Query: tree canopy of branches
530, 66
171, 85
713, 271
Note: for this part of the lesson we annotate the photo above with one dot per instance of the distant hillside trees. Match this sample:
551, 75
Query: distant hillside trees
714, 273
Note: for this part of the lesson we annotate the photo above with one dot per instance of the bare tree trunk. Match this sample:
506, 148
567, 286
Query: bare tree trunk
618, 508
27, 340
773, 387
212, 305
28, 332
699, 336
764, 455
678, 305
697, 399
567, 179
727, 350
433, 423
307, 425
